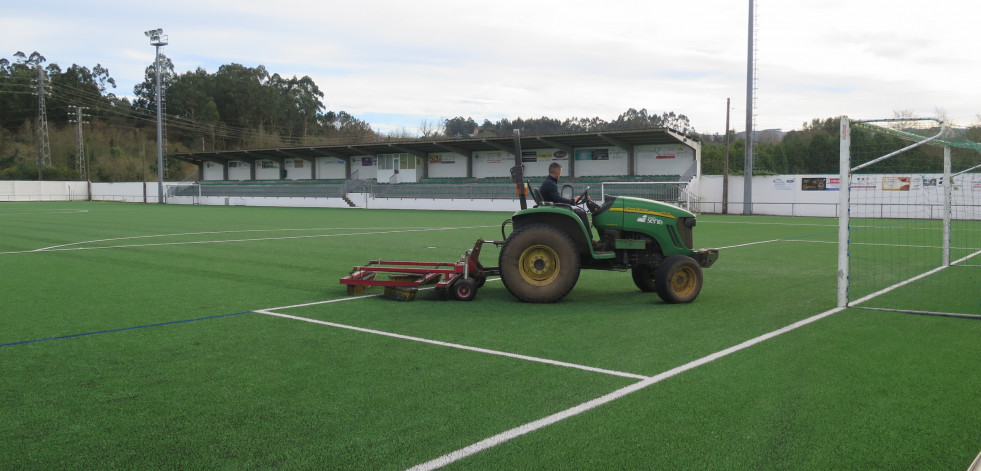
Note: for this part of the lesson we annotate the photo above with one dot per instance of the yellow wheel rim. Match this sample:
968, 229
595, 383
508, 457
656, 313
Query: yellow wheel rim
684, 281
539, 265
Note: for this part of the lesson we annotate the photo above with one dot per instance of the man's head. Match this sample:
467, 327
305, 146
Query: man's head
555, 169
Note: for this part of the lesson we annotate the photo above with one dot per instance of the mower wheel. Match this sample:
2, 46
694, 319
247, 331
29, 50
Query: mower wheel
678, 279
539, 264
465, 289
643, 275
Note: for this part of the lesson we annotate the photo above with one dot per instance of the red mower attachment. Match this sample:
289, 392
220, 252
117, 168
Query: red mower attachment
460, 279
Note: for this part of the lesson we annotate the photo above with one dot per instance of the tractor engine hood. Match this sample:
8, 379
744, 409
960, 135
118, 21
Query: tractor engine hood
627, 210
670, 225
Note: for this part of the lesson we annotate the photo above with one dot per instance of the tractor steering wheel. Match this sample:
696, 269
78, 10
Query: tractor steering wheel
584, 199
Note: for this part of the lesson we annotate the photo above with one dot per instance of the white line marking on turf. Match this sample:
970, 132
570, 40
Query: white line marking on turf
51, 211
454, 345
259, 239
183, 234
911, 280
573, 411
751, 243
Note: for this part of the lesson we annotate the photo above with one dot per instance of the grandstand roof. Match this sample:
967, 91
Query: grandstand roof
461, 146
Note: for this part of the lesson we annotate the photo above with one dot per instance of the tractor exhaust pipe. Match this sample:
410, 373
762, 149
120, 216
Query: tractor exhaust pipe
517, 172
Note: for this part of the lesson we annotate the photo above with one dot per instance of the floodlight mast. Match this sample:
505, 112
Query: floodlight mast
158, 39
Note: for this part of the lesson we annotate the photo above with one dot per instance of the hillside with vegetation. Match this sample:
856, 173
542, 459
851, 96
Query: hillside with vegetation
239, 107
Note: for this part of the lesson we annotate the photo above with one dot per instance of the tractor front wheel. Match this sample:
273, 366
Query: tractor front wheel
678, 279
539, 264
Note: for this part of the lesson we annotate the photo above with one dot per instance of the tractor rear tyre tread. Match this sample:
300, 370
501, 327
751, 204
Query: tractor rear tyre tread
643, 275
678, 279
539, 264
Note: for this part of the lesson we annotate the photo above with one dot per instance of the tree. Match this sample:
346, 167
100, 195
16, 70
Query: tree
146, 91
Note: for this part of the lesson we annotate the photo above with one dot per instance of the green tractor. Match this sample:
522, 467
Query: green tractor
550, 243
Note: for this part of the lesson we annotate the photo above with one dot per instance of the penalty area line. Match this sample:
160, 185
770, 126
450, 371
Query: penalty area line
529, 427
453, 345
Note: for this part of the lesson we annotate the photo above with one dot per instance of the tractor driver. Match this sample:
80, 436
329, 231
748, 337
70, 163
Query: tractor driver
550, 193
550, 187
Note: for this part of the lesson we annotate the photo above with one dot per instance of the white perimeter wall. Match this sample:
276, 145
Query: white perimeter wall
782, 195
43, 191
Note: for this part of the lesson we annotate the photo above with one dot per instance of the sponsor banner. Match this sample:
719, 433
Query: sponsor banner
895, 183
596, 154
367, 161
529, 156
864, 182
441, 159
813, 184
493, 157
560, 155
269, 164
298, 163
781, 184
834, 184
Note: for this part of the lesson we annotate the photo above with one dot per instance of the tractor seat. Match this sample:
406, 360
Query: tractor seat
536, 194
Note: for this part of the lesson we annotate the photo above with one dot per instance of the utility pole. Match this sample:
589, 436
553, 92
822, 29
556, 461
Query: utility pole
43, 144
158, 39
725, 166
750, 105
81, 162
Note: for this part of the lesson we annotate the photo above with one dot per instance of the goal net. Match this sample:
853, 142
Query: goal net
672, 192
910, 239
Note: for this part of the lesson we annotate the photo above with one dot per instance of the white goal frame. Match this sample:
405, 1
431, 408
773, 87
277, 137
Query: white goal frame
846, 170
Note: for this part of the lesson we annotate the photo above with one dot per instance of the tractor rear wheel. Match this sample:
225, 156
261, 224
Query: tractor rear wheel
539, 264
643, 275
678, 279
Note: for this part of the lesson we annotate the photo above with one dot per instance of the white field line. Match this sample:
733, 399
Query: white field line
751, 243
454, 345
744, 223
51, 211
258, 239
184, 234
586, 406
911, 280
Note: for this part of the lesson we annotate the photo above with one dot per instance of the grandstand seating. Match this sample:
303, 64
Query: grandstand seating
428, 188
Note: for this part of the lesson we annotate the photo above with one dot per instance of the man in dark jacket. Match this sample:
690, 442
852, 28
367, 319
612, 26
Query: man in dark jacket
550, 193
550, 187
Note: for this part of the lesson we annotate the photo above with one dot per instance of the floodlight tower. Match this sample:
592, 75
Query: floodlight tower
158, 39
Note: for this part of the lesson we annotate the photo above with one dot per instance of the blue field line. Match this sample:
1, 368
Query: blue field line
63, 337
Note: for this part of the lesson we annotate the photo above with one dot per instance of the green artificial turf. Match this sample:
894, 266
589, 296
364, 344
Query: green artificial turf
129, 339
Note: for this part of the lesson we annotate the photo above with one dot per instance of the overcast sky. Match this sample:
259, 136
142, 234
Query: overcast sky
396, 64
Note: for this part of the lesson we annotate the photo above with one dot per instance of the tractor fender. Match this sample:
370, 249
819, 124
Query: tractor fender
561, 218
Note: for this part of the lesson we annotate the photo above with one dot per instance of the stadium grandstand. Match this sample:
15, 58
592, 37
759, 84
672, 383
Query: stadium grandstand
585, 156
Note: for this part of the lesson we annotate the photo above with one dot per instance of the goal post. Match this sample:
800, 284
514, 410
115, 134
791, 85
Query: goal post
909, 233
